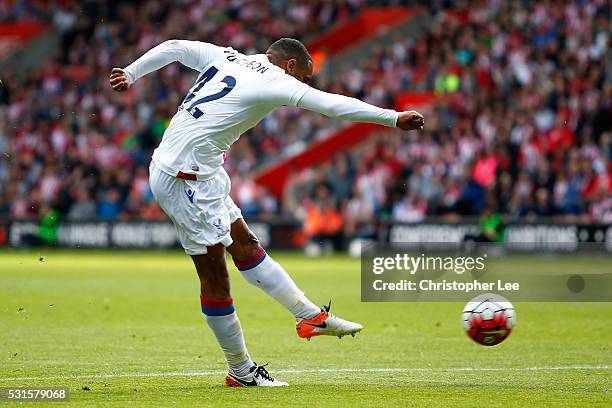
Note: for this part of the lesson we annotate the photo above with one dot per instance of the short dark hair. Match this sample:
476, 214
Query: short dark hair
290, 48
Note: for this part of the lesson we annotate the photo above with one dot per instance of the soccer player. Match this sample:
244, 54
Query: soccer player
232, 93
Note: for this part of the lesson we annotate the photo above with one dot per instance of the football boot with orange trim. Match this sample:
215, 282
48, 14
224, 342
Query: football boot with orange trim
326, 324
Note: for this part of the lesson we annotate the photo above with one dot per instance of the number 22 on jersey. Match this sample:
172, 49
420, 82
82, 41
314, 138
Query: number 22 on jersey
203, 79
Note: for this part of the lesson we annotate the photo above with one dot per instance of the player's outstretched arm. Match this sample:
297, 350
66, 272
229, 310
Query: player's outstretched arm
354, 110
193, 54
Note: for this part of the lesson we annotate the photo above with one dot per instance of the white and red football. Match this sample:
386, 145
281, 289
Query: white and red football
488, 319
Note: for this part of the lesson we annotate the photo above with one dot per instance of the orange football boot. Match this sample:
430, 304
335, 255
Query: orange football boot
326, 324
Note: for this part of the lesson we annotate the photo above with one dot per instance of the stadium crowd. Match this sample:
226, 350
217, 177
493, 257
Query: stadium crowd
70, 142
521, 126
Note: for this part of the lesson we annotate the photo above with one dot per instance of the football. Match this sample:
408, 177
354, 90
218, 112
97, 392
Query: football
488, 319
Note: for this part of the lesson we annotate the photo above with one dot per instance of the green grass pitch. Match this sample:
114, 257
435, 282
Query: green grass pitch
125, 327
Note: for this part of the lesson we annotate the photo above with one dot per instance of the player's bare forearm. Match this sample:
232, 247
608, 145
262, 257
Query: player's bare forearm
118, 80
410, 120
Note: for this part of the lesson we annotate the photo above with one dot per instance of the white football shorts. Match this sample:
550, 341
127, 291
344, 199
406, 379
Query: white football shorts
202, 211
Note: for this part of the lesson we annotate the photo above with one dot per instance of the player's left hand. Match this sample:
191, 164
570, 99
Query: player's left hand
118, 80
410, 120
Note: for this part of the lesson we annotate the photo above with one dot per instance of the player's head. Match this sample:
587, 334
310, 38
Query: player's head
292, 56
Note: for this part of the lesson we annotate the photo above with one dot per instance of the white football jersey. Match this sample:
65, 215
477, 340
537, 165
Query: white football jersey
232, 93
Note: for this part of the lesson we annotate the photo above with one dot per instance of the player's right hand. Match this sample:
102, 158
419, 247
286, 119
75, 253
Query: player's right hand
410, 120
118, 80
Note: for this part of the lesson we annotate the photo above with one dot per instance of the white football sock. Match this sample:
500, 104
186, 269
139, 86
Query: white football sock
228, 332
267, 274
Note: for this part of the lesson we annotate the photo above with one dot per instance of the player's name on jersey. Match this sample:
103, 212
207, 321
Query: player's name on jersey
246, 62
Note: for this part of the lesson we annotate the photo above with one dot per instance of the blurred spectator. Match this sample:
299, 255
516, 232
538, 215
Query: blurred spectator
323, 223
491, 227
47, 229
110, 205
83, 207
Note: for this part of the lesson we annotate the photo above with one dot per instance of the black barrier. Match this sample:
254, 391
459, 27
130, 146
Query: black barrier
119, 234
533, 237
283, 233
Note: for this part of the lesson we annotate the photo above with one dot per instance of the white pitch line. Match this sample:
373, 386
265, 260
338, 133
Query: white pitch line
316, 370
